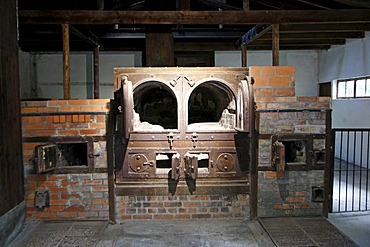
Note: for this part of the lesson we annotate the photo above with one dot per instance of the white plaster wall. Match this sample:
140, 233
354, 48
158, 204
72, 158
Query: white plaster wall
341, 62
344, 61
305, 62
25, 65
46, 69
107, 62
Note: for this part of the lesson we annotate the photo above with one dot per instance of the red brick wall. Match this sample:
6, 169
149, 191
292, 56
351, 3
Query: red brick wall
72, 196
286, 192
272, 81
182, 207
64, 125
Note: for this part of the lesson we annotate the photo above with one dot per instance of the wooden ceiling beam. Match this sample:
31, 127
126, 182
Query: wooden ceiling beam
343, 27
316, 35
282, 47
204, 46
302, 42
193, 17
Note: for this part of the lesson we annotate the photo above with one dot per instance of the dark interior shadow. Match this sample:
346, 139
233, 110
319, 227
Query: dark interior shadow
172, 183
243, 144
191, 183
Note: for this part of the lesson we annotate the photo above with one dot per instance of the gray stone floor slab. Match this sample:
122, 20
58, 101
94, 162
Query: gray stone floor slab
186, 233
356, 225
60, 234
163, 233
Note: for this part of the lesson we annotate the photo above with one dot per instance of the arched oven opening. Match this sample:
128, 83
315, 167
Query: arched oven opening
211, 106
155, 107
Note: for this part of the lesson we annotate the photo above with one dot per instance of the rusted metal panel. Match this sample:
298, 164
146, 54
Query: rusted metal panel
110, 160
183, 125
203, 187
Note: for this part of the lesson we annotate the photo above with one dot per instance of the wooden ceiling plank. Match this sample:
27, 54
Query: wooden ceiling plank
314, 4
218, 4
194, 17
343, 27
268, 48
356, 3
253, 34
304, 42
316, 35
205, 46
92, 40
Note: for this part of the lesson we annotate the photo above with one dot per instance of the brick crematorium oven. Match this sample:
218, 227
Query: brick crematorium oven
179, 143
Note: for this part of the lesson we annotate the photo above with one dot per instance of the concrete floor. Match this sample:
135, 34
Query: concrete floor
153, 233
354, 225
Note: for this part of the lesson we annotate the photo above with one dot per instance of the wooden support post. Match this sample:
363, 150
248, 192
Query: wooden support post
96, 73
275, 45
66, 63
246, 4
244, 56
100, 4
185, 4
159, 47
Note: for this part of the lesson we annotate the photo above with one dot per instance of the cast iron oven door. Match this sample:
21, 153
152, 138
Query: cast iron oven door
183, 130
65, 154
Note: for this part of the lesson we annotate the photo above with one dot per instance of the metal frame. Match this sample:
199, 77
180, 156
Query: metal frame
350, 170
136, 169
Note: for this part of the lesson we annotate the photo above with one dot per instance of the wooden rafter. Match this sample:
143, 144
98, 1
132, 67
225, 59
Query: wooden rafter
356, 3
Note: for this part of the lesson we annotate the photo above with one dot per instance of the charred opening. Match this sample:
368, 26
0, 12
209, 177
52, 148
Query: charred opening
72, 154
295, 151
155, 107
163, 161
211, 105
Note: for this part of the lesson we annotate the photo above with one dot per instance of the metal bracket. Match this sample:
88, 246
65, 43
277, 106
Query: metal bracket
175, 163
191, 166
194, 139
190, 81
42, 199
170, 139
175, 81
